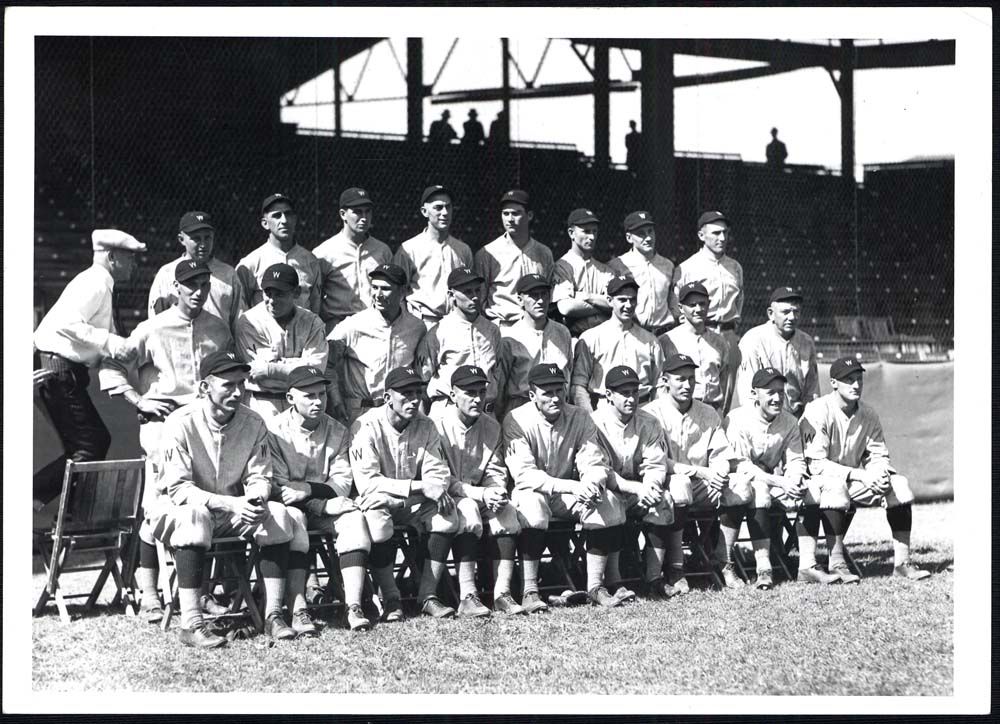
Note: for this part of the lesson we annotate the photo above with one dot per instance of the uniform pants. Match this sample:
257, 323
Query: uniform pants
535, 509
473, 516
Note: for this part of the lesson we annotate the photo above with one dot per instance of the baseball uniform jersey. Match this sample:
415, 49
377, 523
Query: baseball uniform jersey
345, 266
763, 346
656, 304
523, 347
710, 352
694, 438
835, 444
427, 264
759, 445
635, 449
502, 263
226, 297
723, 278
575, 275
319, 457
453, 342
301, 342
251, 269
610, 344
474, 453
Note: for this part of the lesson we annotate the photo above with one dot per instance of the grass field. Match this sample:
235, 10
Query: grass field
884, 636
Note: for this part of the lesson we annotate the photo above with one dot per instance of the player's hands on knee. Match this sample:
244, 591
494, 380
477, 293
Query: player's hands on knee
154, 408
495, 499
650, 496
251, 512
376, 501
339, 505
126, 353
446, 504
292, 493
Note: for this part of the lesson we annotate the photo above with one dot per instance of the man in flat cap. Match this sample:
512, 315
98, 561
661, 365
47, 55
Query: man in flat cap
75, 335
367, 345
347, 258
656, 305
618, 341
506, 259
430, 256
779, 343
723, 279
706, 347
279, 220
274, 337
226, 297
534, 339
581, 281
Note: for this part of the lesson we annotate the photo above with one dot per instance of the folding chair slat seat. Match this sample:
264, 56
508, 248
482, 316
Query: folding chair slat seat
99, 513
692, 545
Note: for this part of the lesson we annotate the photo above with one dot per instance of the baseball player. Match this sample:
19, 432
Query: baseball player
633, 443
472, 443
656, 308
347, 258
534, 339
274, 337
312, 476
707, 348
430, 256
226, 298
845, 446
699, 467
463, 337
75, 335
506, 259
560, 471
172, 345
764, 438
399, 465
278, 218
618, 341
216, 479
367, 345
723, 278
580, 280
779, 343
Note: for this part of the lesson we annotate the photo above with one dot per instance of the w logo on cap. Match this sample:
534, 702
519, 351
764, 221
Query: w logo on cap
553, 371
642, 214
231, 356
275, 274
200, 217
409, 371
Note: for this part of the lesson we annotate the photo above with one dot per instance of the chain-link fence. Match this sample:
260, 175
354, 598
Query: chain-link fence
131, 133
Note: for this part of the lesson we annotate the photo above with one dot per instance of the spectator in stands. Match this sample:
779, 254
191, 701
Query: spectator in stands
473, 129
633, 148
80, 330
776, 151
441, 133
500, 130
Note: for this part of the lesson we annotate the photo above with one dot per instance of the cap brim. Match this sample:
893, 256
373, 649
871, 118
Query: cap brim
470, 381
533, 287
311, 383
229, 367
272, 285
681, 367
189, 277
197, 227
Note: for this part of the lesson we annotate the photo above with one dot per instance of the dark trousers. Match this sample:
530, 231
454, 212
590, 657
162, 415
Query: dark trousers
83, 433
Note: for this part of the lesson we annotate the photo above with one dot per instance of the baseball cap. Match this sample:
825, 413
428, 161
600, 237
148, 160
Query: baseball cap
578, 217
516, 196
532, 281
691, 288
402, 377
621, 281
711, 217
389, 272
273, 199
189, 269
638, 219
355, 197
306, 376
461, 276
782, 293
546, 374
107, 239
619, 376
678, 362
194, 220
765, 376
432, 190
280, 276
468, 375
221, 362
843, 367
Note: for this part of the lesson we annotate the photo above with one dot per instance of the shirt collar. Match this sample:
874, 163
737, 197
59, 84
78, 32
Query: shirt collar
104, 275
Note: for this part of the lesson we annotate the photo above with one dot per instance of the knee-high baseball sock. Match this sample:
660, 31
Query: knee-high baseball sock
613, 576
598, 546
503, 561
730, 520
656, 551
901, 523
531, 543
295, 581
189, 563
466, 549
147, 573
807, 529
352, 570
759, 527
834, 526
675, 540
438, 546
273, 569
381, 560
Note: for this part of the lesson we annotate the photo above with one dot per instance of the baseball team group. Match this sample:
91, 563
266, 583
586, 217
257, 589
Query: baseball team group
472, 397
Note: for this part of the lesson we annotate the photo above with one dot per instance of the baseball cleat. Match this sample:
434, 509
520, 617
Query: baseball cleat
152, 613
678, 580
212, 607
533, 603
730, 577
200, 637
356, 619
505, 603
844, 574
660, 590
600, 597
625, 595
472, 607
816, 574
276, 628
568, 598
910, 573
392, 611
765, 580
303, 624
432, 606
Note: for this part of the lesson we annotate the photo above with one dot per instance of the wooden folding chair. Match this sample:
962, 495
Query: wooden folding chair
98, 513
564, 541
696, 551
780, 525
792, 544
